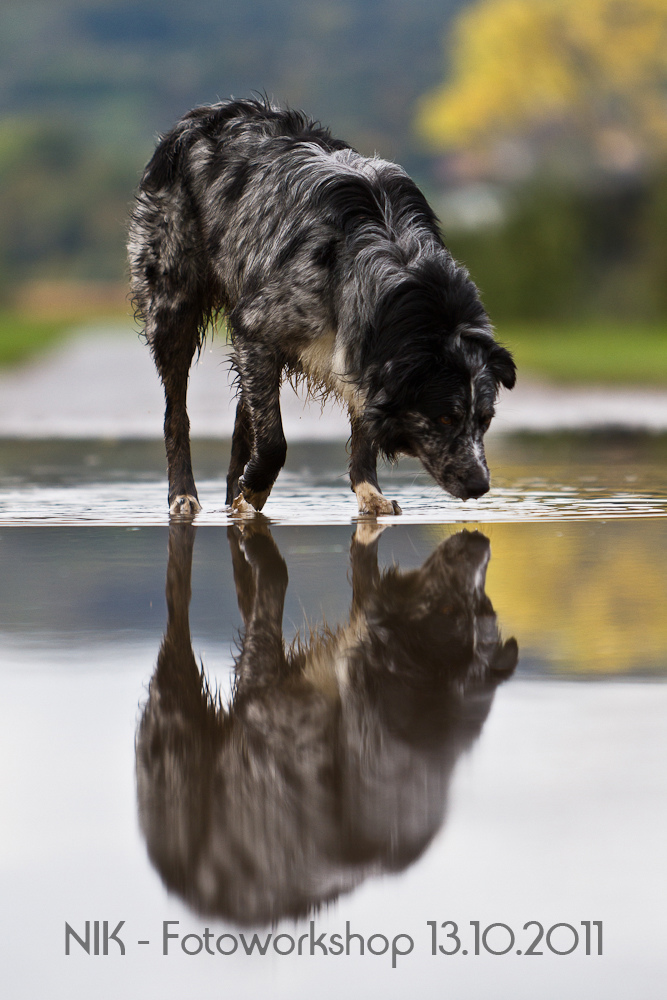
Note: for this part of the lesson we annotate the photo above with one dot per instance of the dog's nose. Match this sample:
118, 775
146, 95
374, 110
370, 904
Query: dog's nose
477, 487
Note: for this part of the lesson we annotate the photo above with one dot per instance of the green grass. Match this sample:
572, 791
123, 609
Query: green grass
611, 353
21, 337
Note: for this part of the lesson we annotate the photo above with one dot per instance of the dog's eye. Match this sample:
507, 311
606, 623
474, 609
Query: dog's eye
486, 423
445, 420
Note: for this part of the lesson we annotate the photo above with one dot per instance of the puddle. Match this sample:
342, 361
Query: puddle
586, 598
243, 729
145, 504
533, 479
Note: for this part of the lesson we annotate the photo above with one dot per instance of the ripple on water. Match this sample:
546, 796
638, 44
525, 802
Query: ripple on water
142, 503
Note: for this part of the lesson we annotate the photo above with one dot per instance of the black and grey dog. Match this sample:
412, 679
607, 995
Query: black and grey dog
328, 266
333, 761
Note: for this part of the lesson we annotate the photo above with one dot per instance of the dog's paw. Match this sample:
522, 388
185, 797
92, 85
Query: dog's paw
241, 506
368, 532
186, 505
371, 501
253, 527
256, 498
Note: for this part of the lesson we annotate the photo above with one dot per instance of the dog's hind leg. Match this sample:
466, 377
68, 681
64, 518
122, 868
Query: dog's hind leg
174, 295
260, 370
363, 473
174, 337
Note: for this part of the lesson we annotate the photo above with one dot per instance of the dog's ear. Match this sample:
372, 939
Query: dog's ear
505, 659
501, 364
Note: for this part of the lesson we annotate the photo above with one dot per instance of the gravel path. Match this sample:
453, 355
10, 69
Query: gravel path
102, 384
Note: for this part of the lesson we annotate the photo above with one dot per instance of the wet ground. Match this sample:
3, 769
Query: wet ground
458, 718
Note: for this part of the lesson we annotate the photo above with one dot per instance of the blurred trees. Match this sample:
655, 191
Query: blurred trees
562, 104
556, 106
63, 204
595, 70
98, 79
568, 251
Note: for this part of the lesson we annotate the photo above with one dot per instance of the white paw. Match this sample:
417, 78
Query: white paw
368, 531
241, 506
371, 501
256, 500
185, 504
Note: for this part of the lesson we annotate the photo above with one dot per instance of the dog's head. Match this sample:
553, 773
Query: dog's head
437, 374
451, 410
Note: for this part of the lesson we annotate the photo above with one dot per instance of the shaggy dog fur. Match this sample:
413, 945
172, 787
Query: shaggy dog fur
334, 759
328, 266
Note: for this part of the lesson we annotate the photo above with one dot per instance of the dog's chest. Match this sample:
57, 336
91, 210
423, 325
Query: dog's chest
327, 663
323, 362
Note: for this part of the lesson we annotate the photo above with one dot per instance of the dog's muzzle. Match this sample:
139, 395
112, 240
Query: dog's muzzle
476, 486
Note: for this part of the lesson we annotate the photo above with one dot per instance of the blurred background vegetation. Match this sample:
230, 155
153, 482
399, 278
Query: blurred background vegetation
537, 127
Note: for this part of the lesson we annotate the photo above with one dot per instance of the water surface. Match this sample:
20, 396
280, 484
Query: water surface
534, 477
246, 727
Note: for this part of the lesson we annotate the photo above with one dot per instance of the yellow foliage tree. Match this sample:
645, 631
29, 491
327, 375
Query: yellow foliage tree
599, 66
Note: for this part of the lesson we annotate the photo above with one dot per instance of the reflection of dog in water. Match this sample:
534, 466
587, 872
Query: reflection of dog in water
334, 758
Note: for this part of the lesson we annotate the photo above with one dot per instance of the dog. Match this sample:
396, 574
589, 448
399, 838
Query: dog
333, 761
329, 267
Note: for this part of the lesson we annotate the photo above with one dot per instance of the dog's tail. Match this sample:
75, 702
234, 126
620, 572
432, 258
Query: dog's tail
169, 263
173, 292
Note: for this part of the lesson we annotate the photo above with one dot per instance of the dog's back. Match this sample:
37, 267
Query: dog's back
257, 209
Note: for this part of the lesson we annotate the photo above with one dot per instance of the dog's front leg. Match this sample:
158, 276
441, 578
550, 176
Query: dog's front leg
241, 450
363, 473
260, 370
364, 566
